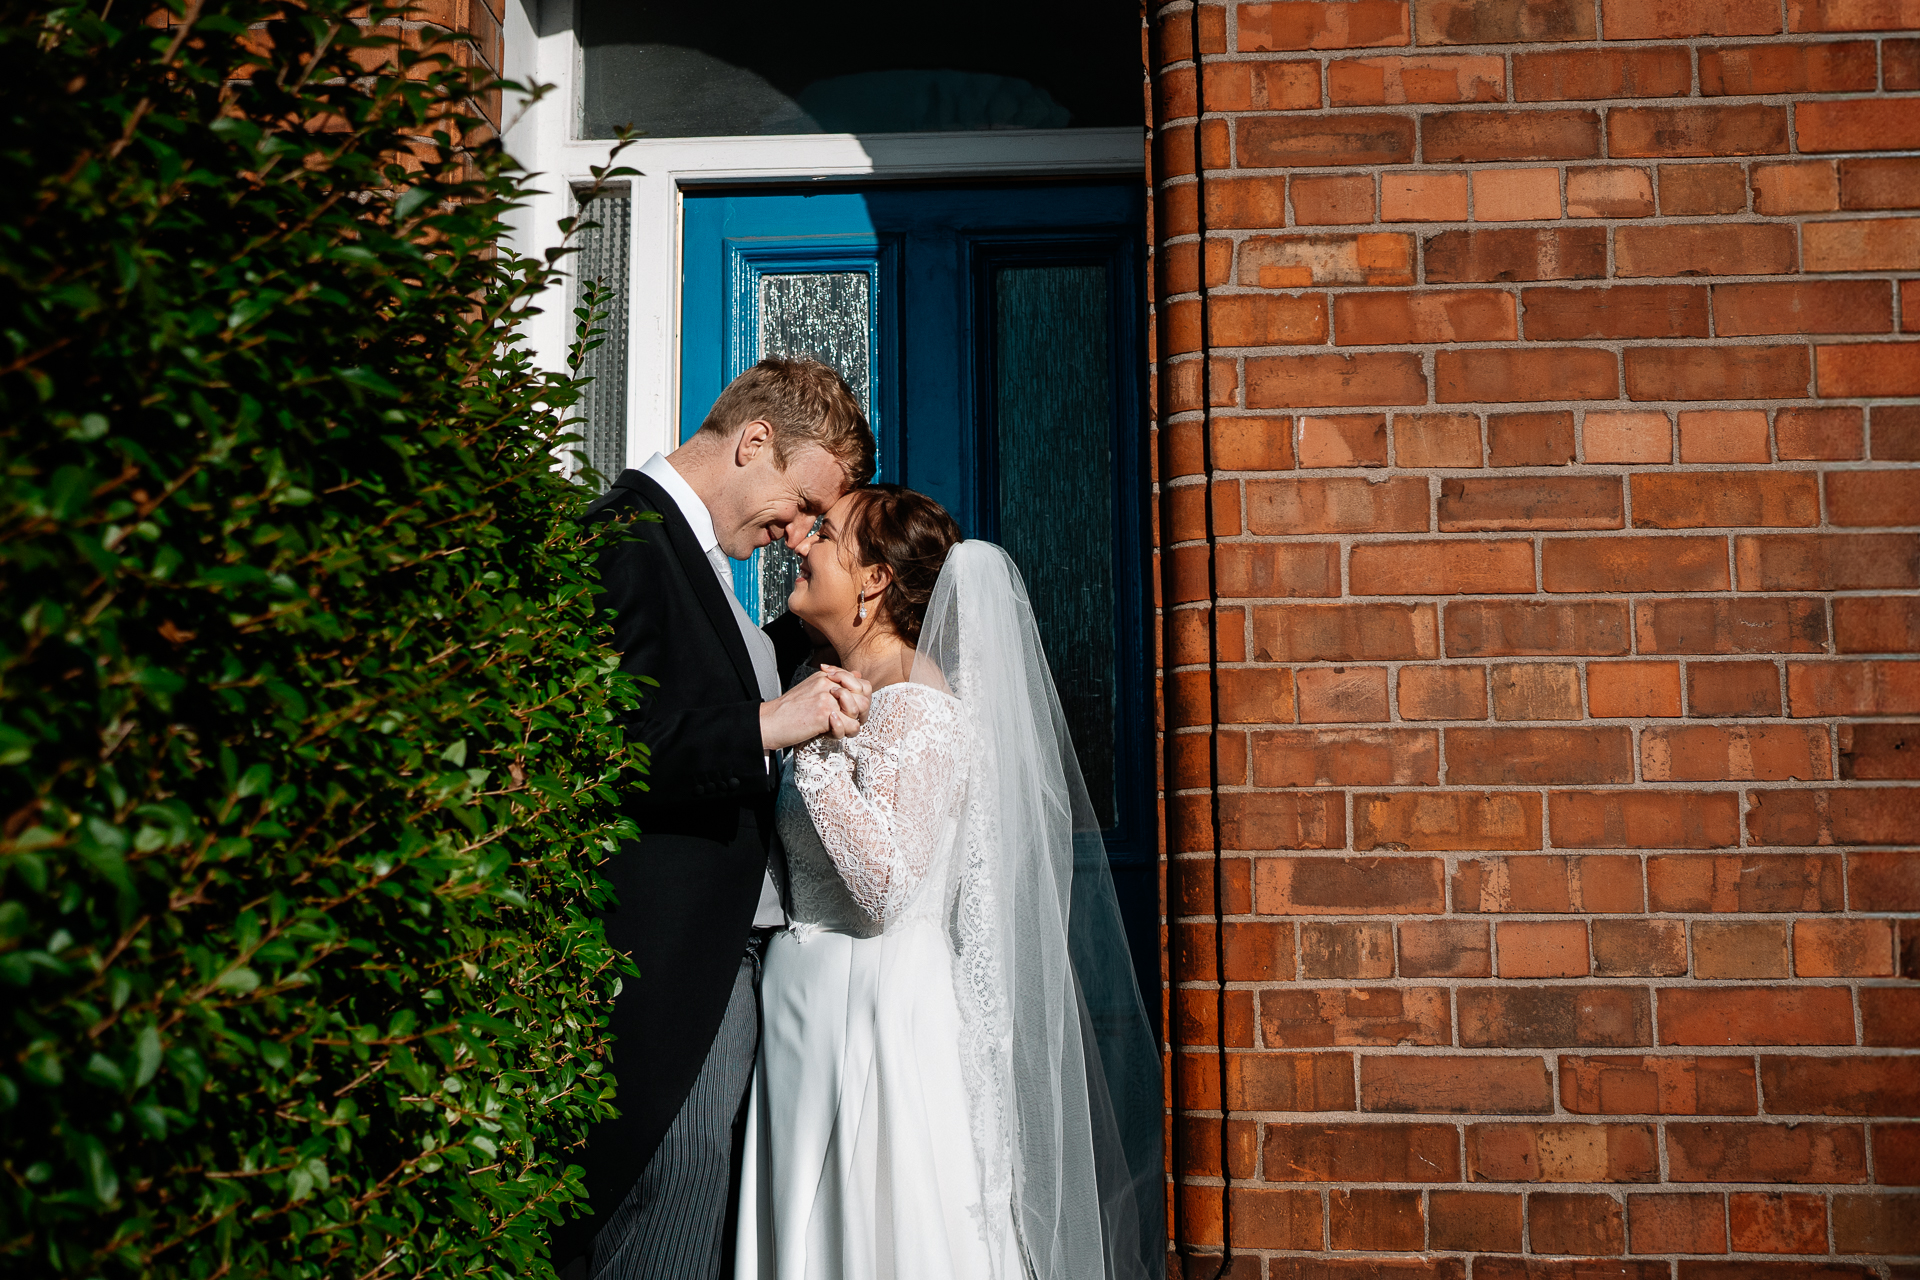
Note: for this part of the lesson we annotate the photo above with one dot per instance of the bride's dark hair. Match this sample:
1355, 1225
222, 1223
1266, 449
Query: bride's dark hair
910, 534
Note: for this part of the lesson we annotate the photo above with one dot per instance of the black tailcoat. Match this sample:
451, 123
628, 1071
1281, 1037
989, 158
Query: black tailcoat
686, 891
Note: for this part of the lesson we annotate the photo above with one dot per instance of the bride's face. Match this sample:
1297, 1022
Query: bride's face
827, 591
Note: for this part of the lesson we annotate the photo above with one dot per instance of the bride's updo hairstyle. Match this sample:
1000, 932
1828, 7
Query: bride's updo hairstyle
910, 534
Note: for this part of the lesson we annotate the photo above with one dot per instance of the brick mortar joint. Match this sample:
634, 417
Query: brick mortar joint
1695, 43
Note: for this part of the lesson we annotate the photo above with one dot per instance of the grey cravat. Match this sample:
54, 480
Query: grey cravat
760, 650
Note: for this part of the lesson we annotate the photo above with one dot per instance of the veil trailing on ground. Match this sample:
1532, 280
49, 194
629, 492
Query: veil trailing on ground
1061, 1069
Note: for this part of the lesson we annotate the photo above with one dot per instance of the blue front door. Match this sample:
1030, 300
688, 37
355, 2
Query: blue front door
994, 335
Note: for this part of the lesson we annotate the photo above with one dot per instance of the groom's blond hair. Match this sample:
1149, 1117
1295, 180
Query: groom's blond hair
806, 402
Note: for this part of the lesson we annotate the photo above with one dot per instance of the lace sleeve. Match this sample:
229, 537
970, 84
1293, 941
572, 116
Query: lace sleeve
881, 799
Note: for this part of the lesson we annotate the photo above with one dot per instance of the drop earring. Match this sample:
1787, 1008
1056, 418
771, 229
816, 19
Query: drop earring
863, 606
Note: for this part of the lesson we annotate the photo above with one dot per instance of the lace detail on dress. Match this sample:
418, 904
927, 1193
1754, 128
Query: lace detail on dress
869, 822
986, 1040
882, 803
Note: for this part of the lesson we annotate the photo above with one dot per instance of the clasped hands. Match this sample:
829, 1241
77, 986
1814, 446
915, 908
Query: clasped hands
832, 700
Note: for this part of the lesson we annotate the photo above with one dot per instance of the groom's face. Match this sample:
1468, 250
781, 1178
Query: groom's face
766, 501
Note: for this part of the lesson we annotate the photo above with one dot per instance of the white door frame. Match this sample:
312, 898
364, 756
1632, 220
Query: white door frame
542, 138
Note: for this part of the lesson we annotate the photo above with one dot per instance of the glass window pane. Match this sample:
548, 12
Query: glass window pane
1053, 433
603, 257
825, 316
858, 66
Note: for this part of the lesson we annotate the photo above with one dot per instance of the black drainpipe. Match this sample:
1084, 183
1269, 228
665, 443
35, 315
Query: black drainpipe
1213, 668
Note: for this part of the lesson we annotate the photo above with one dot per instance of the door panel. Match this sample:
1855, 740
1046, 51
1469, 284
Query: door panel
827, 296
828, 315
1049, 405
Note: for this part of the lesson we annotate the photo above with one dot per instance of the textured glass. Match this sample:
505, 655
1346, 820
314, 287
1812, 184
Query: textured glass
676, 70
603, 257
825, 316
1053, 432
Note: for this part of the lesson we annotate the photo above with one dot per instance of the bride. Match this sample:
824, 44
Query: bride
933, 1098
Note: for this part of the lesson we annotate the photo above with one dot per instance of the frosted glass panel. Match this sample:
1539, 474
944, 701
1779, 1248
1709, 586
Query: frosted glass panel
825, 316
1053, 416
822, 315
603, 257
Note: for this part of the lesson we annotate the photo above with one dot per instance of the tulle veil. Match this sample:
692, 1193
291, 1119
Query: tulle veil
1061, 1068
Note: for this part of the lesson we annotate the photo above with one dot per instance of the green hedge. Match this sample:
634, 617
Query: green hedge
307, 736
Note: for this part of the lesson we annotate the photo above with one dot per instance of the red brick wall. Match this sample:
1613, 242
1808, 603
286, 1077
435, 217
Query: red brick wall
1539, 549
481, 21
469, 31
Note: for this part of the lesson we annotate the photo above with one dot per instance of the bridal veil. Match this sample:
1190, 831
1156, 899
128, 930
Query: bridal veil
1061, 1069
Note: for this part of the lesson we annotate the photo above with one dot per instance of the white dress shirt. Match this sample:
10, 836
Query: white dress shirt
769, 913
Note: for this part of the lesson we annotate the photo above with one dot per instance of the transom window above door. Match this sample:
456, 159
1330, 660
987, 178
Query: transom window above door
856, 66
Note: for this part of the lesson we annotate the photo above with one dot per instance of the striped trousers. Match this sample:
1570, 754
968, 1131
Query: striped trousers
672, 1225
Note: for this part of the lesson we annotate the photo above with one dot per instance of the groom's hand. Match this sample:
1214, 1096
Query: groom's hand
826, 702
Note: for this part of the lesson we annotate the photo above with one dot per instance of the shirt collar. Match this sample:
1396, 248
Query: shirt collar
699, 519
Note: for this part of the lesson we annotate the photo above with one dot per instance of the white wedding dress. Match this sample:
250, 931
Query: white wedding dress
860, 1158
935, 1097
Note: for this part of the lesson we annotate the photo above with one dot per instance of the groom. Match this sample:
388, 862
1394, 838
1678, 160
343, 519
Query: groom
702, 888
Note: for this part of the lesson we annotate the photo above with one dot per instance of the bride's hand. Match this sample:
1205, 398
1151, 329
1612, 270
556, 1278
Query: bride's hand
821, 703
855, 692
